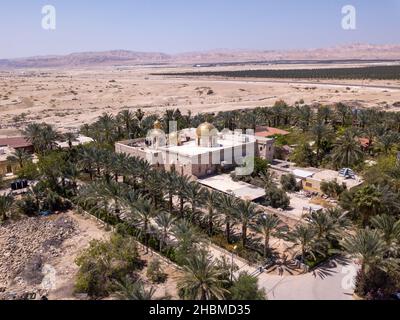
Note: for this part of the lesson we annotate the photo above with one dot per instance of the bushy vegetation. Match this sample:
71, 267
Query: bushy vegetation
289, 183
333, 189
106, 262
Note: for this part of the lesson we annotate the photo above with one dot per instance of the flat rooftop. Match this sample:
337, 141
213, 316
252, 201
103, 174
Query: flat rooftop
225, 184
5, 152
330, 175
190, 148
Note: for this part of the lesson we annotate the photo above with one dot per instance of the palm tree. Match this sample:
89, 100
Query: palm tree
126, 117
86, 160
182, 184
140, 214
70, 137
103, 195
32, 134
42, 136
20, 156
195, 194
324, 113
328, 224
303, 236
201, 279
6, 204
130, 290
269, 225
106, 125
226, 206
211, 202
388, 140
368, 202
246, 212
170, 185
166, 222
154, 186
390, 229
366, 245
347, 151
321, 132
343, 111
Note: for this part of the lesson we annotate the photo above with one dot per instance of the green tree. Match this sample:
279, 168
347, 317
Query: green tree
246, 212
201, 279
128, 289
347, 152
19, 156
269, 226
245, 288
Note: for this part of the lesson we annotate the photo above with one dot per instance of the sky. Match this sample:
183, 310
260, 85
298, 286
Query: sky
175, 26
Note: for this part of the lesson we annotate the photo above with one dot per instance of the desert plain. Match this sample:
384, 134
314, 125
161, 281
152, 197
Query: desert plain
70, 97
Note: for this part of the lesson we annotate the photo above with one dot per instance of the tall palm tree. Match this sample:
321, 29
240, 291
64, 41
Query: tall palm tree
133, 290
165, 222
324, 113
303, 236
182, 185
86, 160
343, 111
321, 132
106, 125
269, 226
170, 185
6, 204
328, 224
347, 151
20, 156
195, 194
246, 212
211, 202
201, 279
140, 214
390, 229
126, 117
103, 195
388, 140
226, 206
42, 136
366, 245
70, 137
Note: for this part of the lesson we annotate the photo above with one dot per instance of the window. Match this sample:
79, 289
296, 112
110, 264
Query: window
308, 184
9, 169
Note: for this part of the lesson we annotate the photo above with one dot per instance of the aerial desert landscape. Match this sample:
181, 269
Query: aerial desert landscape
70, 94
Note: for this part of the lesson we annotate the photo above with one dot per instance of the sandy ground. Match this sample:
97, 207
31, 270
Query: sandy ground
67, 269
70, 98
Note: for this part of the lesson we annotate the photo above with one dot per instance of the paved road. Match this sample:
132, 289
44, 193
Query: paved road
332, 281
326, 283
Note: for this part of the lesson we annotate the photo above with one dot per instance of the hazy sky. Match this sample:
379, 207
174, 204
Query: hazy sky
190, 25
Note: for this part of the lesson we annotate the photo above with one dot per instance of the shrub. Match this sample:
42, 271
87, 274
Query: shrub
333, 189
276, 198
155, 272
105, 262
246, 287
289, 183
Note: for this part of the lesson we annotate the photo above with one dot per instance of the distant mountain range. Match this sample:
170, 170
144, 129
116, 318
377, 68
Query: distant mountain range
126, 58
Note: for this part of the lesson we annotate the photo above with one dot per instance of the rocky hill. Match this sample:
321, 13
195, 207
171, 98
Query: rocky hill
126, 58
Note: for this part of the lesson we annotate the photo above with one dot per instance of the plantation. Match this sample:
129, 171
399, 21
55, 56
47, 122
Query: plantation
374, 72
